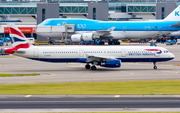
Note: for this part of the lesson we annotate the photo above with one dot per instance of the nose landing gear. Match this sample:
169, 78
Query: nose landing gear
155, 67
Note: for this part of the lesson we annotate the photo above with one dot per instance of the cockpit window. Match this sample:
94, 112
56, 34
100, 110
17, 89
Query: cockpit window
166, 51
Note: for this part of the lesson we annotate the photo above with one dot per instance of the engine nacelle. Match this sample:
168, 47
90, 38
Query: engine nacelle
111, 63
88, 36
84, 36
76, 38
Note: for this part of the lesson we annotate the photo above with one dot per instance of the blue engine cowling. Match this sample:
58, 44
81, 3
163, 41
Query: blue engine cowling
111, 63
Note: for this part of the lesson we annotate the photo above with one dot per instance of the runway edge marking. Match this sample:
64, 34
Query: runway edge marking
117, 96
28, 95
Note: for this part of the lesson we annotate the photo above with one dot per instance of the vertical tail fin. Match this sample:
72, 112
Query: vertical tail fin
18, 39
174, 15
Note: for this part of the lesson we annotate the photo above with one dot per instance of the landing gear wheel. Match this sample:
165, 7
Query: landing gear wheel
87, 66
110, 43
155, 67
93, 68
50, 42
117, 43
101, 43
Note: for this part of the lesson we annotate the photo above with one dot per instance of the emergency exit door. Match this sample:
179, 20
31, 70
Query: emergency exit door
81, 53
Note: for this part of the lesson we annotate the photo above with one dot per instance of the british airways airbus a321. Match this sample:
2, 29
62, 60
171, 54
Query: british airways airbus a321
105, 56
85, 29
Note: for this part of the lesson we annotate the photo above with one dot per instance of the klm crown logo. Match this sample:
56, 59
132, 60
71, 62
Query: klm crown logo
177, 13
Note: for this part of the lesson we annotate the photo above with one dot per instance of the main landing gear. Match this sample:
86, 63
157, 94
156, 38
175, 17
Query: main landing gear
155, 67
101, 43
93, 67
87, 66
50, 41
113, 42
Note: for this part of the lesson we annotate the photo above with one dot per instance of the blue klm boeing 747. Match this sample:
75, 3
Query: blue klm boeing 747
85, 29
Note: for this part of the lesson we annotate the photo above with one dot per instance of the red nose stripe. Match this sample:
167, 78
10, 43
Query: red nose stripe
151, 49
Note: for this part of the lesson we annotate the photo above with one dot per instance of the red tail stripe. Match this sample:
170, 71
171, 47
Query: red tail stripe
23, 46
13, 31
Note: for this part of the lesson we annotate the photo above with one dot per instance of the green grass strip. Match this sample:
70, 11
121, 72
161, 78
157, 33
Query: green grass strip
11, 75
165, 87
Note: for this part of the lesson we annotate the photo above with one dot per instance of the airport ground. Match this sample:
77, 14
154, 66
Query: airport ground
75, 72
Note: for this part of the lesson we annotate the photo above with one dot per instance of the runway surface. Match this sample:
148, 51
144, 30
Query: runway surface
75, 72
88, 102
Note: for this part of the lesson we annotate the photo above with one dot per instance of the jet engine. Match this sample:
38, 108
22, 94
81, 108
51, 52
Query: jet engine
84, 36
88, 36
111, 63
76, 38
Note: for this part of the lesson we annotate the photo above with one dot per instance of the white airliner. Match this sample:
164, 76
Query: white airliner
106, 56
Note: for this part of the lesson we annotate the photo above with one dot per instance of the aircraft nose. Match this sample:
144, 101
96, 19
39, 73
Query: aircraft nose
171, 55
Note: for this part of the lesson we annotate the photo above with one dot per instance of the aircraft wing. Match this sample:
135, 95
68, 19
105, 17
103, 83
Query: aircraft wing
104, 32
91, 58
175, 25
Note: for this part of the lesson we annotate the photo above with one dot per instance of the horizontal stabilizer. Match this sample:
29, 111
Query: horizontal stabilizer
20, 51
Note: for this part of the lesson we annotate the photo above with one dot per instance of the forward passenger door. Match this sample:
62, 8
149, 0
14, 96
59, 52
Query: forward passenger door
123, 53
